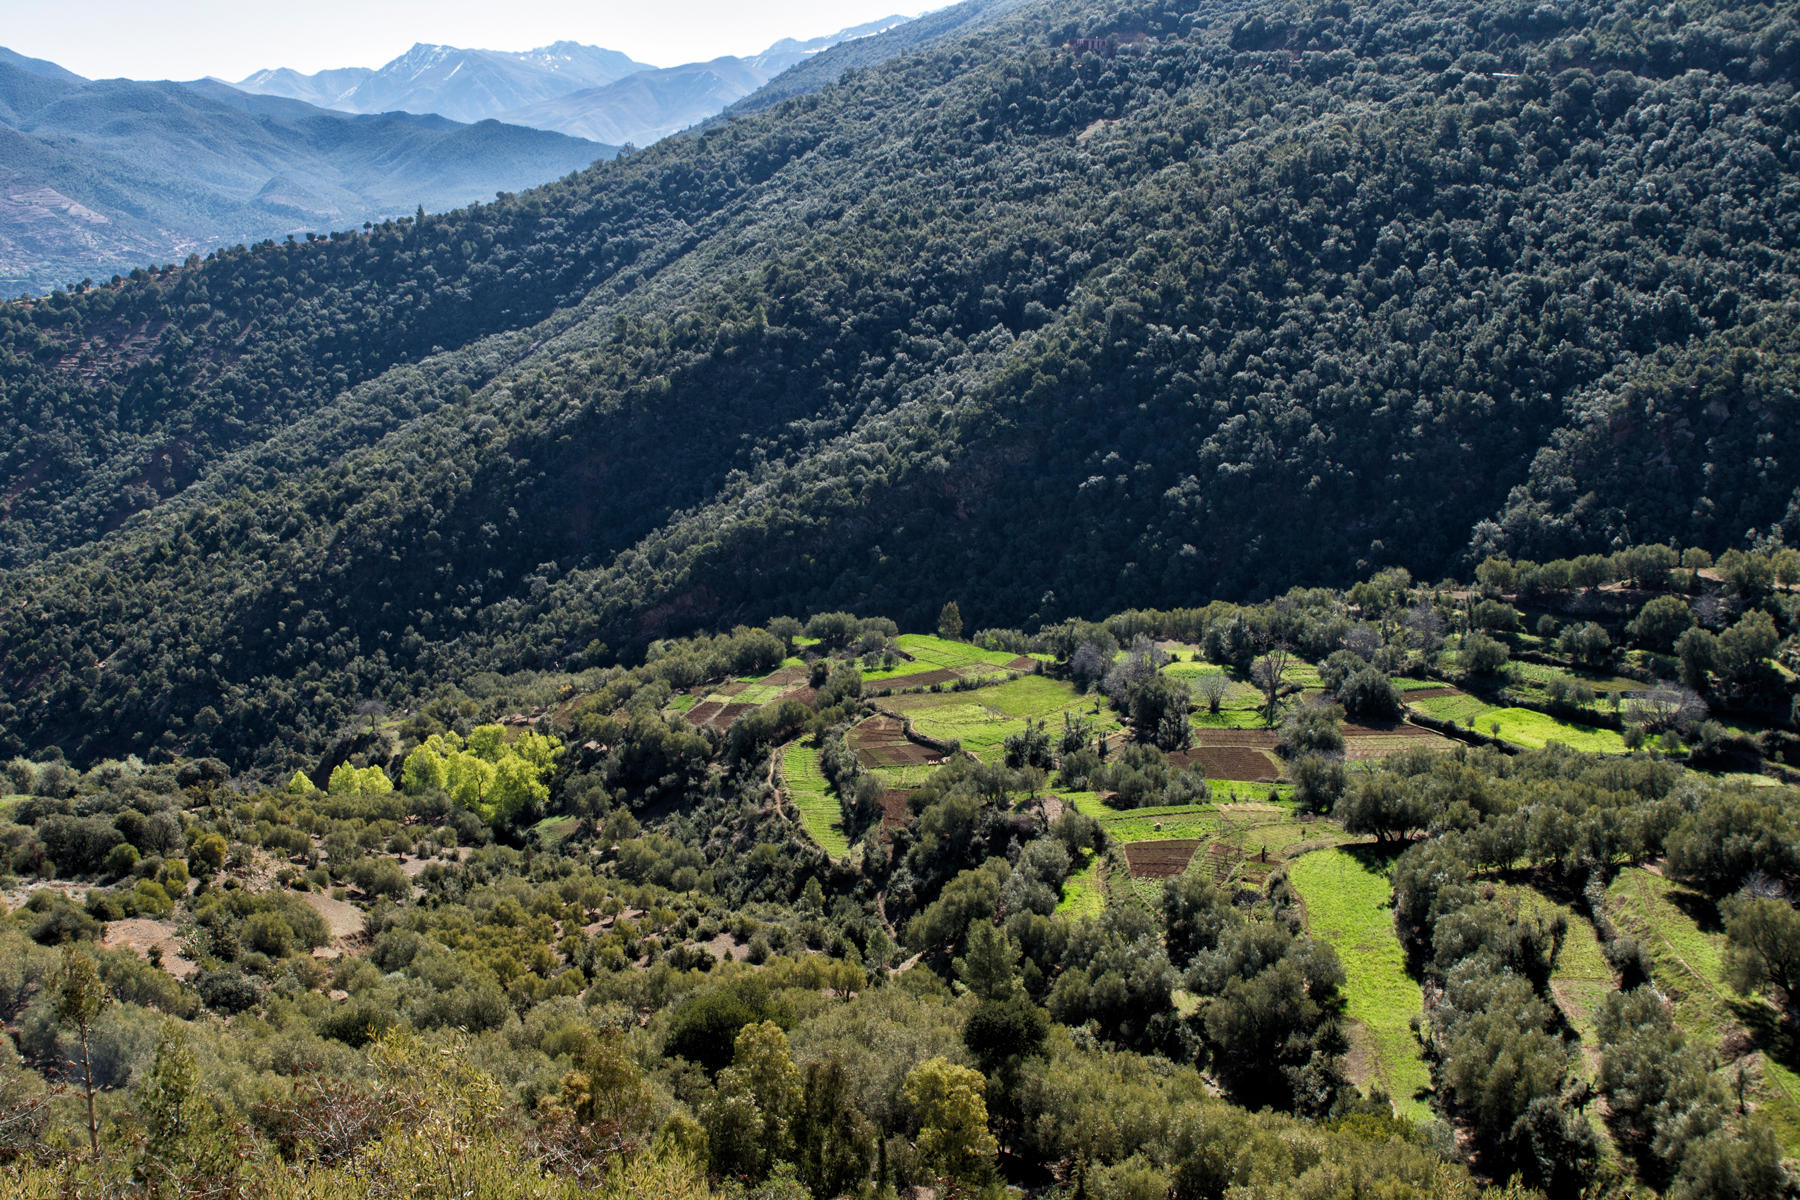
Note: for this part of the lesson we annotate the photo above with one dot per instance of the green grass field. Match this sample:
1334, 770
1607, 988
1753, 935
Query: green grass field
820, 813
552, 830
982, 720
1687, 950
757, 693
1347, 904
1082, 896
1229, 718
1527, 727
1458, 708
683, 703
1198, 822
931, 653
1542, 674
902, 777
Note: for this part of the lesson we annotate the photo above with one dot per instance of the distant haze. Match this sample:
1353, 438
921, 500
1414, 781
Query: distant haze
187, 39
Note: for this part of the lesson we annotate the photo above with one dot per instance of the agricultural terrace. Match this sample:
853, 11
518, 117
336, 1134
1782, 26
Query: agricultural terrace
1522, 726
1350, 905
1581, 979
1241, 842
1680, 929
1082, 895
817, 805
928, 661
983, 718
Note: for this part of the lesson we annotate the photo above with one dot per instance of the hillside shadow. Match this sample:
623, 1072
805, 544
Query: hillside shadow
1376, 856
1701, 909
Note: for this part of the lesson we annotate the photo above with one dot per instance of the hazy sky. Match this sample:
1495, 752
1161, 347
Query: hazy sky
185, 39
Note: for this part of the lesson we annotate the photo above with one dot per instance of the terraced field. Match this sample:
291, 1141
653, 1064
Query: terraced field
1528, 727
1349, 904
1082, 895
982, 719
820, 813
925, 653
1680, 930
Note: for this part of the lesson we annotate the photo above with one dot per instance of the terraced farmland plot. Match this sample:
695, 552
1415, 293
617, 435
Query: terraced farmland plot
904, 778
1448, 704
1160, 860
1243, 763
929, 653
1229, 718
881, 741
1679, 930
820, 813
1348, 905
1199, 821
888, 684
983, 719
1582, 979
1082, 895
1365, 743
1527, 727
896, 808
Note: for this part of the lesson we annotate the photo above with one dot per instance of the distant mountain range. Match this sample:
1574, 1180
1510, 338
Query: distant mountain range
464, 85
584, 91
100, 177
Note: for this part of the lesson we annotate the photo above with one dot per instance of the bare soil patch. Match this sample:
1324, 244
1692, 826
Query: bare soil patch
1430, 693
703, 714
730, 713
139, 935
1230, 762
882, 742
896, 809
725, 947
1398, 729
1160, 860
343, 918
900, 683
1257, 739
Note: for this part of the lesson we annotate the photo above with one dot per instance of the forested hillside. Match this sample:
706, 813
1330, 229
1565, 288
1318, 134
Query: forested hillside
1087, 307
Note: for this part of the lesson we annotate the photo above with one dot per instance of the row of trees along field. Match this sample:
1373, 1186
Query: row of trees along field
594, 952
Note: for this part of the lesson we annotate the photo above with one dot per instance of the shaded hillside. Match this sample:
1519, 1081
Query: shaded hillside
1049, 329
98, 177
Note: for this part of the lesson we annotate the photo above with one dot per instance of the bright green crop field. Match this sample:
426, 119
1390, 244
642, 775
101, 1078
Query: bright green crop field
1348, 904
1082, 896
820, 813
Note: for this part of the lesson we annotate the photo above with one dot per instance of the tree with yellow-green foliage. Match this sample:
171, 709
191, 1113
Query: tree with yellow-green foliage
954, 1142
347, 780
485, 773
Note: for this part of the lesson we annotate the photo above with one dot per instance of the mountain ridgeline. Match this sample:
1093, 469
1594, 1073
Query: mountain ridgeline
98, 177
1067, 309
583, 91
